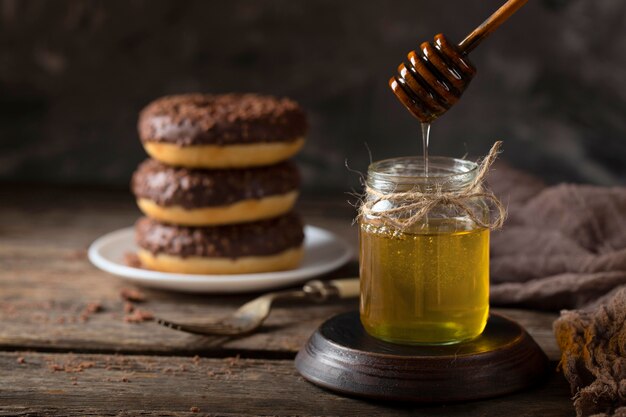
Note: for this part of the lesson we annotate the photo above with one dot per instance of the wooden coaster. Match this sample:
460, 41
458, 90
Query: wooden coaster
342, 357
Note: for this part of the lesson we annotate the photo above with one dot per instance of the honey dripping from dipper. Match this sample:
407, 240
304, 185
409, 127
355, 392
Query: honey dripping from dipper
433, 79
426, 280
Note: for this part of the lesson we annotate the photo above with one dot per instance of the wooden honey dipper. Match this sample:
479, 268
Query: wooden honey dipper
434, 78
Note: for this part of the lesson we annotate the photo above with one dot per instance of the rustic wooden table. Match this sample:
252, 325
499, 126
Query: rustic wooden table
58, 359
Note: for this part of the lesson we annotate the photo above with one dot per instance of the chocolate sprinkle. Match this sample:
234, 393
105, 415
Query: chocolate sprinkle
195, 188
205, 119
267, 237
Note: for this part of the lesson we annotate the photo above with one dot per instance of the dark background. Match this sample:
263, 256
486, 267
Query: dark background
74, 74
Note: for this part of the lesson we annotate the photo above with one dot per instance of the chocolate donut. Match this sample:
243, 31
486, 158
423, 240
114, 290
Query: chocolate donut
200, 197
222, 131
267, 245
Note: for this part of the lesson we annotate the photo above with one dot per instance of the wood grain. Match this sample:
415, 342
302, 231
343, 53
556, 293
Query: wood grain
152, 385
120, 368
486, 28
47, 282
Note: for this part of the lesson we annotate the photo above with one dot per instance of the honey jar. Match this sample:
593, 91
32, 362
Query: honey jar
424, 251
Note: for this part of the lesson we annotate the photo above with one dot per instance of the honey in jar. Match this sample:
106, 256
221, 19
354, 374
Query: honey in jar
427, 283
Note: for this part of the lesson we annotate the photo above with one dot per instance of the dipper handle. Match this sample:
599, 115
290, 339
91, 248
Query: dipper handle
472, 40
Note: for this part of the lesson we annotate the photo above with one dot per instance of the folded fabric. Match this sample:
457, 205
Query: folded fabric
561, 247
564, 247
593, 344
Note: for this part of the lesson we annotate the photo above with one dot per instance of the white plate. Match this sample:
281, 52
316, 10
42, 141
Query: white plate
323, 252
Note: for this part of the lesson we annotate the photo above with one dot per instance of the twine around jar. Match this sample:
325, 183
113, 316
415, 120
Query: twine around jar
412, 206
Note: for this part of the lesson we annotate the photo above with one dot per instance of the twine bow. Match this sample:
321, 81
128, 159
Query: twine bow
412, 206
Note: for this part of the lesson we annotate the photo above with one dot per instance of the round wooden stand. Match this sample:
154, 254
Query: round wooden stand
342, 357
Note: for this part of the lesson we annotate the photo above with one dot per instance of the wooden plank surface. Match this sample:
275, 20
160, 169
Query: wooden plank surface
79, 385
47, 282
47, 285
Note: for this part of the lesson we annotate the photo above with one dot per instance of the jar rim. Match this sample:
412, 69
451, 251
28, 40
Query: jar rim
410, 170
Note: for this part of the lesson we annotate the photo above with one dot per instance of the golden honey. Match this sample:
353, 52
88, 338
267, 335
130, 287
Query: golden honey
428, 285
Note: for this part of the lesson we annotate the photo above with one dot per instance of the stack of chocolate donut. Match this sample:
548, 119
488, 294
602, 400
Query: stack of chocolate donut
219, 192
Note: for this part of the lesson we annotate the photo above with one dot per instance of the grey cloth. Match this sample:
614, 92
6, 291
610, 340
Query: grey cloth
593, 344
562, 246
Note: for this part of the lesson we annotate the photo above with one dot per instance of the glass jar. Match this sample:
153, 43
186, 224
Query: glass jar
427, 283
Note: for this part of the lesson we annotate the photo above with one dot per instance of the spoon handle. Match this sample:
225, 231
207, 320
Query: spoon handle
472, 40
337, 288
347, 287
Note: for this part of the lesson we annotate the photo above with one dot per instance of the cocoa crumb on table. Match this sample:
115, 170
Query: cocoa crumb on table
21, 360
71, 368
94, 307
85, 365
232, 361
138, 316
131, 294
54, 367
90, 309
194, 409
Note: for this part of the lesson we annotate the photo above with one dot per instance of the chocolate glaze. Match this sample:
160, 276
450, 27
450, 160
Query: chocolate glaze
204, 119
195, 188
267, 237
